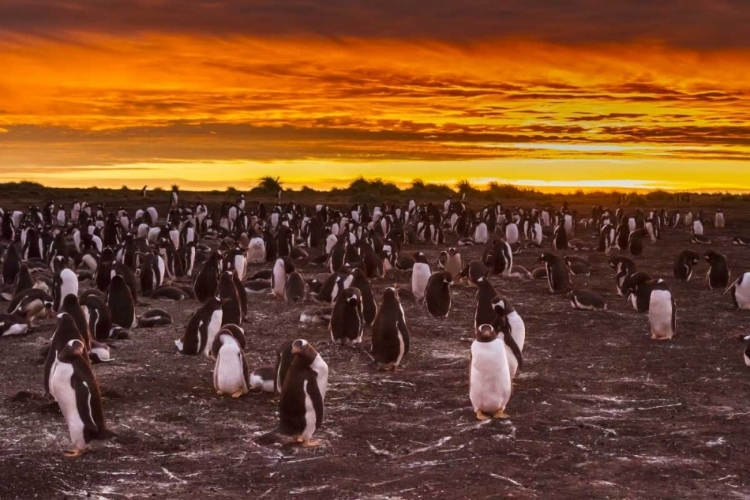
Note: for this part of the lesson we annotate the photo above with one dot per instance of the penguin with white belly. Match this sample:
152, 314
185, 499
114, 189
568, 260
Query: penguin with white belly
281, 269
231, 372
65, 331
420, 275
303, 394
490, 381
64, 283
454, 264
586, 300
390, 335
662, 312
358, 280
201, 329
508, 322
74, 387
740, 290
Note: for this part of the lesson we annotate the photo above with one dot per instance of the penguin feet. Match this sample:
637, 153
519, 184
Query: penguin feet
74, 453
219, 393
311, 443
500, 414
237, 394
482, 416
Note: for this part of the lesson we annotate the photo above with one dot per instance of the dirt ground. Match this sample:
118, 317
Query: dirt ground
599, 410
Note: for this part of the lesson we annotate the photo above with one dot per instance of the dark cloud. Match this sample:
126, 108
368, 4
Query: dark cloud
694, 23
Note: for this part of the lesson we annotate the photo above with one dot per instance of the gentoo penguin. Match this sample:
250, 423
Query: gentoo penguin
74, 387
294, 288
231, 372
282, 268
71, 306
560, 238
740, 289
719, 219
511, 233
486, 294
700, 239
357, 279
154, 317
120, 303
698, 227
256, 250
473, 271
65, 282
557, 273
168, 293
741, 240
718, 272
420, 274
316, 315
509, 322
100, 319
13, 324
454, 264
623, 267
284, 359
540, 273
207, 279
65, 331
303, 394
746, 339
347, 318
639, 286
263, 379
635, 241
438, 294
586, 300
490, 382
201, 329
577, 266
11, 265
502, 257
662, 313
230, 300
683, 266
390, 336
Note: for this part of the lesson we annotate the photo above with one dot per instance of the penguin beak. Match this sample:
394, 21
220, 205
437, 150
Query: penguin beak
296, 350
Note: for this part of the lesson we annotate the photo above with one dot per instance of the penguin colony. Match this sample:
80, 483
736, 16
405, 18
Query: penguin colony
88, 268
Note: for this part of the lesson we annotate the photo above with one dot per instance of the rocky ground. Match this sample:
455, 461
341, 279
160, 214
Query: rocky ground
599, 411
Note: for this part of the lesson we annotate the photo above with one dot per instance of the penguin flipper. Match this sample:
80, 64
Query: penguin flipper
83, 404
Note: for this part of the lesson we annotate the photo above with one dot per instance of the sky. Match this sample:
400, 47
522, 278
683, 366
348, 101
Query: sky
211, 93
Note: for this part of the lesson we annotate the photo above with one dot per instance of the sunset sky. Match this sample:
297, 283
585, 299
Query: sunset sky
211, 93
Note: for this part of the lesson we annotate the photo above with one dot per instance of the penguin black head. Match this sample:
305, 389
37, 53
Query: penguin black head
390, 295
447, 279
70, 300
74, 349
485, 333
452, 251
499, 305
304, 349
420, 257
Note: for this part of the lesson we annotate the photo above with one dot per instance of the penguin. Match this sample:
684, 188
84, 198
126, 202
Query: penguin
718, 271
473, 271
100, 319
662, 312
154, 317
454, 263
740, 289
697, 227
207, 279
700, 239
303, 394
719, 219
31, 303
390, 335
14, 324
741, 240
639, 286
540, 273
284, 359
281, 269
577, 266
490, 382
24, 281
71, 306
294, 288
256, 250
438, 294
635, 241
557, 273
64, 283
74, 387
11, 265
683, 266
262, 379
152, 273
420, 274
230, 300
168, 293
231, 372
347, 318
65, 331
120, 303
484, 311
316, 315
502, 257
509, 322
201, 329
442, 258
623, 267
357, 279
560, 239
586, 300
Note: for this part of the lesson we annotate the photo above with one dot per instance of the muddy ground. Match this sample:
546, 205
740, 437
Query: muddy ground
599, 411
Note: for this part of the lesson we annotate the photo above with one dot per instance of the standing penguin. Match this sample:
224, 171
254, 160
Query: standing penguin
683, 266
490, 382
509, 322
201, 329
454, 264
740, 292
230, 300
718, 272
281, 269
65, 331
11, 265
662, 313
303, 394
502, 257
390, 336
438, 294
207, 279
420, 275
719, 219
486, 294
65, 282
347, 318
120, 303
358, 280
295, 288
560, 238
74, 387
231, 372
100, 319
635, 241
557, 273
638, 287
623, 267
